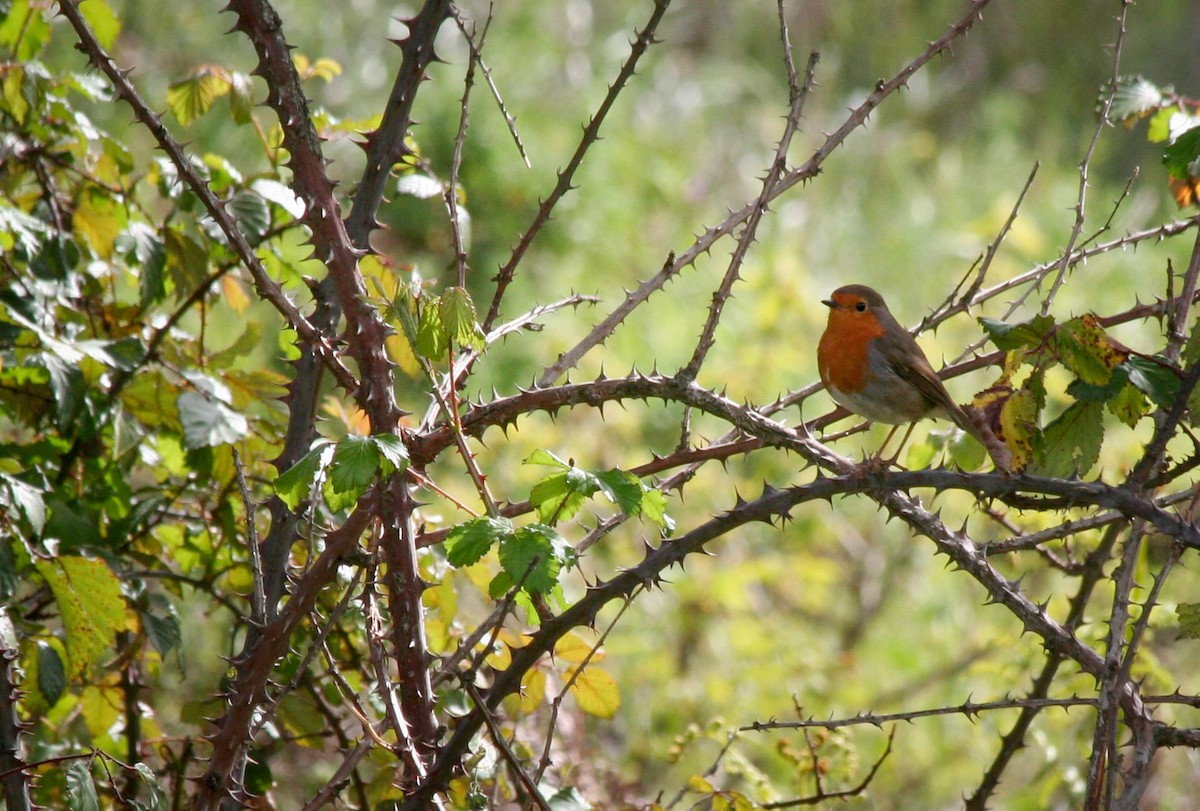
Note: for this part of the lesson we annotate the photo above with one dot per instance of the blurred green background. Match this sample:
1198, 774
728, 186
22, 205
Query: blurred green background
837, 611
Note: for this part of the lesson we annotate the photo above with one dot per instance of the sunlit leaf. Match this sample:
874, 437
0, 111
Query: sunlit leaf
102, 20
1018, 426
352, 469
1180, 155
1134, 97
194, 96
467, 542
532, 556
458, 316
1016, 336
1085, 349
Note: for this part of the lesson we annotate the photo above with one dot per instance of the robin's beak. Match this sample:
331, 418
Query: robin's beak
828, 302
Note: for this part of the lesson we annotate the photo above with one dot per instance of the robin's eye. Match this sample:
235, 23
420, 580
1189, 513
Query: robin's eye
861, 306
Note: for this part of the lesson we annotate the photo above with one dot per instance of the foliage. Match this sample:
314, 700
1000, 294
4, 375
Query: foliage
227, 394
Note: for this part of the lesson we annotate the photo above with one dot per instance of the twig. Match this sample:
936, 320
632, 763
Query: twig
968, 708
477, 55
822, 796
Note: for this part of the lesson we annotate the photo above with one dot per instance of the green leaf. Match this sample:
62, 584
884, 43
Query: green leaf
24, 30
187, 263
654, 508
241, 102
544, 457
1134, 97
623, 488
251, 212
163, 630
27, 500
458, 315
567, 799
1179, 156
158, 796
533, 557
258, 779
1157, 381
207, 422
560, 495
294, 484
393, 454
1020, 335
81, 789
353, 467
51, 674
1071, 444
469, 541
1128, 405
1189, 620
89, 599
433, 341
102, 20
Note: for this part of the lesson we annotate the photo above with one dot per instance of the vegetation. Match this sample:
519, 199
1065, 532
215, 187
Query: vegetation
352, 455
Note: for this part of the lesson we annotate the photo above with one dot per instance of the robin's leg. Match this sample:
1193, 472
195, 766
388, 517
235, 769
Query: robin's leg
878, 460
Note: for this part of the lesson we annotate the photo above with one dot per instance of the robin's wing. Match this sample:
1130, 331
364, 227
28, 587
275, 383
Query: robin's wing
907, 359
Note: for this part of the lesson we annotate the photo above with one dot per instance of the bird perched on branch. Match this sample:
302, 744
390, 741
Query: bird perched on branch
872, 366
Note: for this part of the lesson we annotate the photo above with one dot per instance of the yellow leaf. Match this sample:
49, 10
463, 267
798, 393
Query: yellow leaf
98, 220
235, 294
89, 599
575, 649
1018, 424
698, 783
596, 692
533, 690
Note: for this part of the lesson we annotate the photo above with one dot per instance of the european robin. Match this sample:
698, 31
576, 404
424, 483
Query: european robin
874, 367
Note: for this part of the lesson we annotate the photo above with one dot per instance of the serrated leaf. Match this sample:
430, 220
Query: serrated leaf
163, 630
1016, 336
560, 495
533, 690
458, 315
1071, 444
1189, 620
81, 789
1128, 405
281, 195
241, 102
89, 600
353, 467
418, 185
1018, 426
27, 500
532, 556
1134, 97
194, 96
568, 799
623, 488
1157, 381
393, 454
541, 456
1181, 153
251, 212
575, 649
51, 673
1159, 129
469, 541
1085, 349
98, 219
433, 341
654, 509
207, 422
295, 484
158, 797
